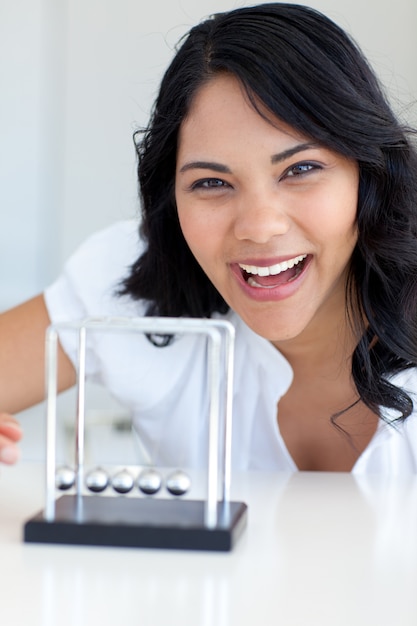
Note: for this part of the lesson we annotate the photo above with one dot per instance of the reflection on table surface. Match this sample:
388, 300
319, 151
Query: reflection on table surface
320, 549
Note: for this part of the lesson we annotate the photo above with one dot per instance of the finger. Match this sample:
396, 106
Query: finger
9, 452
10, 428
6, 417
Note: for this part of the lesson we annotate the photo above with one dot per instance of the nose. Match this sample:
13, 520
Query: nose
260, 216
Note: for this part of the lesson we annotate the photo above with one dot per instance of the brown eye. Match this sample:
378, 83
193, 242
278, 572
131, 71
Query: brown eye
300, 169
209, 183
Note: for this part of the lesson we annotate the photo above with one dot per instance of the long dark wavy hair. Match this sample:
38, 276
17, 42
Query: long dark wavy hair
309, 73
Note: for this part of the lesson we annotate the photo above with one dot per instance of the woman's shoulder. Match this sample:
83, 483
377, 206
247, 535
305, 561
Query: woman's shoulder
91, 278
406, 380
109, 249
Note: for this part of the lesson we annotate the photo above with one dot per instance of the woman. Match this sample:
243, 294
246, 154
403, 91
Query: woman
278, 190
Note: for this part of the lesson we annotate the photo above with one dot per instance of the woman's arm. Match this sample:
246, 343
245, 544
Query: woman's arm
22, 368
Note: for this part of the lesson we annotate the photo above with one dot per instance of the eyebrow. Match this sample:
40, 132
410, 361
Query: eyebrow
286, 154
206, 165
224, 169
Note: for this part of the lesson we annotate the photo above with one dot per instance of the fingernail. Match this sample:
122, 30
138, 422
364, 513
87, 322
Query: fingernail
9, 455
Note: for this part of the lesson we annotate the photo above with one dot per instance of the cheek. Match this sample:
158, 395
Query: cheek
195, 232
347, 231
336, 221
342, 239
202, 225
188, 224
184, 215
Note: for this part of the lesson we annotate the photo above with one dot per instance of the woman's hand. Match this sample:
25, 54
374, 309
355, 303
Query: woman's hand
10, 434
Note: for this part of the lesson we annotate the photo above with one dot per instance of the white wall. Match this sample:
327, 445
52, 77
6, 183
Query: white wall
78, 76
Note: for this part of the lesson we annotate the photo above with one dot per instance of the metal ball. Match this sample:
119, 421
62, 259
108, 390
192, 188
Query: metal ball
149, 481
64, 478
122, 482
97, 480
178, 483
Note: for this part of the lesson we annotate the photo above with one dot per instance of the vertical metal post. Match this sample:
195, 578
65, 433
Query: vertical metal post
51, 394
227, 449
80, 425
213, 358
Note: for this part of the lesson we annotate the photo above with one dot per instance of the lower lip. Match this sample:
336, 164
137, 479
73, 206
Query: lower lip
265, 294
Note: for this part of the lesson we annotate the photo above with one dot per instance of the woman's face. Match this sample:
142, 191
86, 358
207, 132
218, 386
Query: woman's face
269, 214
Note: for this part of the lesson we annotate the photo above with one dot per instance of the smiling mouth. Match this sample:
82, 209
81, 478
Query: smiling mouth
273, 275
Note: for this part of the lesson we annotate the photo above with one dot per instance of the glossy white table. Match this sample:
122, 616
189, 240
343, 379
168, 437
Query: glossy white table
320, 549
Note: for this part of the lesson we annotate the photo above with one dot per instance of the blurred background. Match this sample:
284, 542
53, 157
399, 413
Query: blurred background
77, 77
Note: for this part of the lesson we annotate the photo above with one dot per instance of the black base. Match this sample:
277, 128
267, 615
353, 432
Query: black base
137, 522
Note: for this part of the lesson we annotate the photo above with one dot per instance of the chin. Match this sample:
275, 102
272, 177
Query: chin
273, 332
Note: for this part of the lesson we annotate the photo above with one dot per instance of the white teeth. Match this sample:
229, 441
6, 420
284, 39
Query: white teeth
272, 270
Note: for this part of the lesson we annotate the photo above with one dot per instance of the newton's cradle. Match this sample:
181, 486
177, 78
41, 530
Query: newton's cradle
141, 507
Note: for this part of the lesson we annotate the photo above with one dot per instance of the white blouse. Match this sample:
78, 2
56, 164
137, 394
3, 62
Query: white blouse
164, 387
